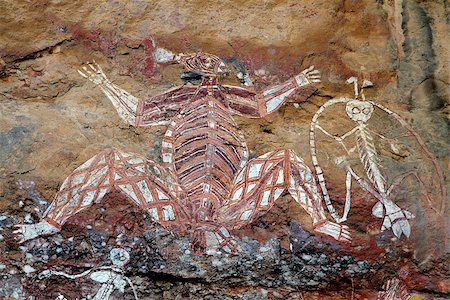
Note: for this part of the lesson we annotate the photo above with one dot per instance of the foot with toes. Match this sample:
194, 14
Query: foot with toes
27, 232
337, 231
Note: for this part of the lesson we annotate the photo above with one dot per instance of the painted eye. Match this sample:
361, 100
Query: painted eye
366, 111
356, 110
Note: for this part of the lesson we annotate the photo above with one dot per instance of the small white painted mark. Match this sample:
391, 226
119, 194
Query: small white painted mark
167, 157
154, 213
273, 90
302, 197
211, 124
77, 179
166, 144
88, 198
237, 194
140, 168
254, 170
266, 155
168, 213
239, 177
143, 187
224, 232
135, 161
128, 190
277, 193
280, 178
246, 214
250, 187
268, 166
101, 194
273, 103
161, 195
265, 198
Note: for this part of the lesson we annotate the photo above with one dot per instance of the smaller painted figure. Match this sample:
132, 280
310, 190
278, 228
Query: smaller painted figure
206, 185
373, 181
111, 277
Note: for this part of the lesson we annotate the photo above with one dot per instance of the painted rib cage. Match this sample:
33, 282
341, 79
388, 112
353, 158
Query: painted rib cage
206, 152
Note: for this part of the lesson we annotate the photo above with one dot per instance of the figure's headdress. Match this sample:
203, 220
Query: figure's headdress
200, 63
366, 83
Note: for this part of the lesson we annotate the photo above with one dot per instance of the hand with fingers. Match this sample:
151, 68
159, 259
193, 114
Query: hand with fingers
308, 76
94, 73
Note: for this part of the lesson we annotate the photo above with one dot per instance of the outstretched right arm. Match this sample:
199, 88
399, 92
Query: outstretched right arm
157, 110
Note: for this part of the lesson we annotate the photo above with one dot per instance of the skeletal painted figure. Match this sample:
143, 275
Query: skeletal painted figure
111, 277
360, 111
206, 185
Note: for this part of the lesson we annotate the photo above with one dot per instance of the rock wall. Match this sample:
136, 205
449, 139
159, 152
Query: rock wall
52, 120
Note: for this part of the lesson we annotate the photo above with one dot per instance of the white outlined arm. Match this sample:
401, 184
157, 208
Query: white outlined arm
272, 98
125, 103
155, 111
252, 104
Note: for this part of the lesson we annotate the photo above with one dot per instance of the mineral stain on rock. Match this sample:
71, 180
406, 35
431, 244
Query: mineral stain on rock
51, 121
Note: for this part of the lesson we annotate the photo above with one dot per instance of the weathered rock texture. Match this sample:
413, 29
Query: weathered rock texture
52, 120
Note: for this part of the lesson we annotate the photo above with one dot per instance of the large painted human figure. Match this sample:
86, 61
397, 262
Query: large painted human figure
206, 184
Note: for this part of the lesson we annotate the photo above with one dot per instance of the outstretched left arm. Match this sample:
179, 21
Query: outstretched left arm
254, 105
157, 110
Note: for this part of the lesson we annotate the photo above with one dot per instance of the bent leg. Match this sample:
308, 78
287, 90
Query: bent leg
143, 182
262, 181
151, 187
86, 184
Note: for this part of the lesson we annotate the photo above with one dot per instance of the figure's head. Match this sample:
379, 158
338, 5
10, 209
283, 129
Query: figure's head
119, 257
359, 111
204, 64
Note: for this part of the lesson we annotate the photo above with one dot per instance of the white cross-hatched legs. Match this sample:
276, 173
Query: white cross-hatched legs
262, 181
143, 182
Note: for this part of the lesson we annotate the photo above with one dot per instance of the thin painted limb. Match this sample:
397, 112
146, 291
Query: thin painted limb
319, 172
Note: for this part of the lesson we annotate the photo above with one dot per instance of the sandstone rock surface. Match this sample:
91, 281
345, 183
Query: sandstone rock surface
52, 120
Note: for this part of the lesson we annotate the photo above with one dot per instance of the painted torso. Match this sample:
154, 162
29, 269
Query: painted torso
203, 147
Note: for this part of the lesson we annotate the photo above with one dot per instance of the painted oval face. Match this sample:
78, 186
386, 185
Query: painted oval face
119, 257
204, 64
359, 111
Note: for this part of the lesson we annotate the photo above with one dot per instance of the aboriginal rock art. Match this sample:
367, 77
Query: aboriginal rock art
111, 277
206, 185
395, 288
374, 180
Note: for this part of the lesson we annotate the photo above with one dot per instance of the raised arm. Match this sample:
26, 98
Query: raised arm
250, 104
157, 110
